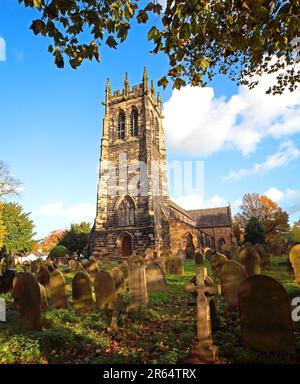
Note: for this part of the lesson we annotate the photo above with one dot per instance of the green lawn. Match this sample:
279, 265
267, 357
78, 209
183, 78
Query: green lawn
161, 333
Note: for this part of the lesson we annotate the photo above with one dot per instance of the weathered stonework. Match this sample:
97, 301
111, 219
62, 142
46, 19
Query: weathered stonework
134, 214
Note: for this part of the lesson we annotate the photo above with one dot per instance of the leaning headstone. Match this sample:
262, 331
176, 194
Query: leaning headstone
27, 297
250, 259
82, 293
44, 301
232, 274
137, 281
155, 277
265, 315
57, 287
105, 290
175, 266
295, 261
264, 256
216, 263
92, 268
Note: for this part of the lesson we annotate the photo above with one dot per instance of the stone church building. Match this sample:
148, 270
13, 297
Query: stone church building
134, 210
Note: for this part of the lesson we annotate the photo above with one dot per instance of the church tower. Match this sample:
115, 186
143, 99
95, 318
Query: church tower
132, 200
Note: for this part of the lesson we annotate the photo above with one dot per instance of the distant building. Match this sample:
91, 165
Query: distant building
127, 221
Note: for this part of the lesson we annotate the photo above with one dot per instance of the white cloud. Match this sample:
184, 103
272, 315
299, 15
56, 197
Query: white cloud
286, 153
78, 212
289, 199
195, 201
2, 49
274, 194
197, 122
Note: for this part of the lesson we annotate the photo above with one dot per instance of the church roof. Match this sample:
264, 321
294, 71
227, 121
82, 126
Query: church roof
212, 217
175, 206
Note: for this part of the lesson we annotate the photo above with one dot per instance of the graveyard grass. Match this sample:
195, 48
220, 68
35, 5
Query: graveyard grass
162, 332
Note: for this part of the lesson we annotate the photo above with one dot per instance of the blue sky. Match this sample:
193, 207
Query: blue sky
51, 124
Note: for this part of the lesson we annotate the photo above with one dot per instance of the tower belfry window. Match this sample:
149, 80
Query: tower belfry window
134, 124
126, 214
121, 125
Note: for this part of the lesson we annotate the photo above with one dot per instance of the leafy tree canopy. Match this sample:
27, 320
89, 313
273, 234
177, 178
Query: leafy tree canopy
19, 230
58, 251
76, 238
295, 232
273, 218
255, 232
240, 38
49, 241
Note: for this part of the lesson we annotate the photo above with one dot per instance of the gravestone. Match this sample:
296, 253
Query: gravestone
294, 257
124, 268
250, 259
26, 266
265, 315
208, 253
82, 293
264, 256
216, 263
155, 277
175, 266
137, 281
192, 300
181, 255
231, 275
44, 301
35, 266
92, 268
2, 309
27, 297
73, 264
58, 292
205, 351
7, 280
149, 252
105, 290
199, 258
43, 276
119, 279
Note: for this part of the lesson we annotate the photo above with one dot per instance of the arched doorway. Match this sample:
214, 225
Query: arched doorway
126, 245
190, 247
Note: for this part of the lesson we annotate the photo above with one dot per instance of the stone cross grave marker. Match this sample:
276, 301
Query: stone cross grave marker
205, 351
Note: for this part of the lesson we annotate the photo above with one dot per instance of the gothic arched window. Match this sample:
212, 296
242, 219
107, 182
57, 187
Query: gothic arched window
221, 242
121, 131
134, 123
126, 212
